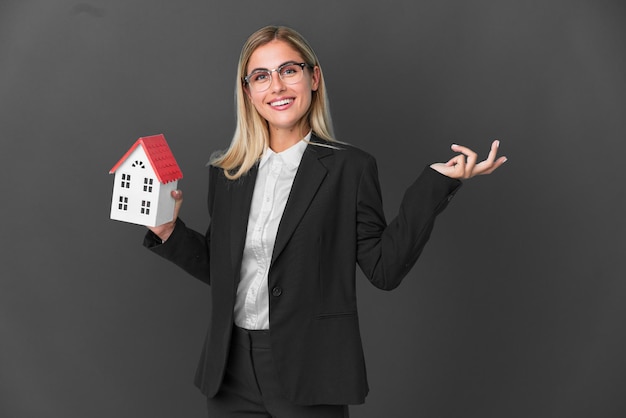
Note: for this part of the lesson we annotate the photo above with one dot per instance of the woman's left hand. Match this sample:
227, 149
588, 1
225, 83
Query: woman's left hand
464, 166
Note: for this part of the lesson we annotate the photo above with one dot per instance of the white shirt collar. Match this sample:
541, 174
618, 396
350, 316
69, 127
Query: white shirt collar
291, 156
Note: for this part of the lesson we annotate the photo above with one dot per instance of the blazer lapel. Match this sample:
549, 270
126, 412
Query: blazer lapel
241, 200
309, 177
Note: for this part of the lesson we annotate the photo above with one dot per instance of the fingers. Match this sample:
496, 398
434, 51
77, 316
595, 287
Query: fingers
465, 162
490, 164
165, 230
178, 197
459, 165
493, 151
471, 155
493, 166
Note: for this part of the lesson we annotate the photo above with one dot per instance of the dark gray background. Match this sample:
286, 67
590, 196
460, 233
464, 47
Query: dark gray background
516, 307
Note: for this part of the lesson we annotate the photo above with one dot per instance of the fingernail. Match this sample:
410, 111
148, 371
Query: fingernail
497, 143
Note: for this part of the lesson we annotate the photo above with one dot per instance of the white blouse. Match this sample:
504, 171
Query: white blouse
271, 190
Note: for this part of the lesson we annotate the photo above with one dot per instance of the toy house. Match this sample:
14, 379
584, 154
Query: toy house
144, 179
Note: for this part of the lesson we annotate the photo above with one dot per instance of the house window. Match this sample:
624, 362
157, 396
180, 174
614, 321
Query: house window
139, 164
145, 207
123, 203
147, 185
126, 181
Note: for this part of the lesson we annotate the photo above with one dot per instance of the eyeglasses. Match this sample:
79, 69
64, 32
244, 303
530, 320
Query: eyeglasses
289, 73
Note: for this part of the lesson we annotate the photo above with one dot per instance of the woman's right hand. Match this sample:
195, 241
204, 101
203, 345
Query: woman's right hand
165, 230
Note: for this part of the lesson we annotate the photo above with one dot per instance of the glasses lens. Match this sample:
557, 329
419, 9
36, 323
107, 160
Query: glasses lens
291, 73
260, 80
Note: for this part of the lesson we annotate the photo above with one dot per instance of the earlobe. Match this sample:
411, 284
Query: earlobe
248, 95
316, 78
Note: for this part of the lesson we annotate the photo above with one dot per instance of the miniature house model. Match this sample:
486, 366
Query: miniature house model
144, 180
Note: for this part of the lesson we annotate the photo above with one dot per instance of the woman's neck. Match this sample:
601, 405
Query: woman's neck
282, 139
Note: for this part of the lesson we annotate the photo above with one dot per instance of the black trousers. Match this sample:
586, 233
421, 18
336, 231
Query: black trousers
251, 388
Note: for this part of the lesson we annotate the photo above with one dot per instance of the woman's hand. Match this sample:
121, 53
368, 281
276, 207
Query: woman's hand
164, 231
463, 165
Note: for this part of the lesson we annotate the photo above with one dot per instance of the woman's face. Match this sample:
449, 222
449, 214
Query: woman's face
282, 105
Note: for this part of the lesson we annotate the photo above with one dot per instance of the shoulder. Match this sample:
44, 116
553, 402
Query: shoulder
218, 178
341, 151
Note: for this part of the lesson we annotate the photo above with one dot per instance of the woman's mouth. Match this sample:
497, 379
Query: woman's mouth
281, 102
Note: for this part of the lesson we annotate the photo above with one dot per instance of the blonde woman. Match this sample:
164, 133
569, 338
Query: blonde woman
292, 213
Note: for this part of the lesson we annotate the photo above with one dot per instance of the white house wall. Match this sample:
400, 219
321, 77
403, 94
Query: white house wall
165, 203
161, 207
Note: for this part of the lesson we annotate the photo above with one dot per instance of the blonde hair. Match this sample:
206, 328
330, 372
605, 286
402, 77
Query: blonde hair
251, 136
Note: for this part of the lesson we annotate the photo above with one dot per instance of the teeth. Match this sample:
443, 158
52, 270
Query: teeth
281, 102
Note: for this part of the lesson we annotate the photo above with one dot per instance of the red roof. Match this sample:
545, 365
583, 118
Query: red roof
160, 156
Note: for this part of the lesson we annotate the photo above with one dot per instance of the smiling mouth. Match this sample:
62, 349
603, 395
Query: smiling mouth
281, 102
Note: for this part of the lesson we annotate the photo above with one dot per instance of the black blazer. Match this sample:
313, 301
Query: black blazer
333, 220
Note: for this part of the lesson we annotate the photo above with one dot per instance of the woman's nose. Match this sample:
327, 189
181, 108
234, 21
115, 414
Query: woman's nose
277, 83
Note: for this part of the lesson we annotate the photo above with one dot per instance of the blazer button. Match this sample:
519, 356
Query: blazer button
277, 291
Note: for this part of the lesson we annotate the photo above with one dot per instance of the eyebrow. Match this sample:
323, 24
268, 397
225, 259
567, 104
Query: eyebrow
267, 69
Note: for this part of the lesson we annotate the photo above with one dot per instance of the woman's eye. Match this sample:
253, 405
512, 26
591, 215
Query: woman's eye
291, 70
259, 77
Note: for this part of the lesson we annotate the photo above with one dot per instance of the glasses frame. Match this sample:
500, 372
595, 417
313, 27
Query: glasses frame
302, 65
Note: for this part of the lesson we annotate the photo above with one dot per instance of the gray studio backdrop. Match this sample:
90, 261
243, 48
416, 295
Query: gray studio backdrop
516, 308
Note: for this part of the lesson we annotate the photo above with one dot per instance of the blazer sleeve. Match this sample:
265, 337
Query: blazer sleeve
188, 249
386, 253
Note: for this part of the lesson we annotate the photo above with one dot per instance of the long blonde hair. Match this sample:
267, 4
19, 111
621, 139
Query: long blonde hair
251, 136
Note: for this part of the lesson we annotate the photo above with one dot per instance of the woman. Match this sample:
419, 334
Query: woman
292, 212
